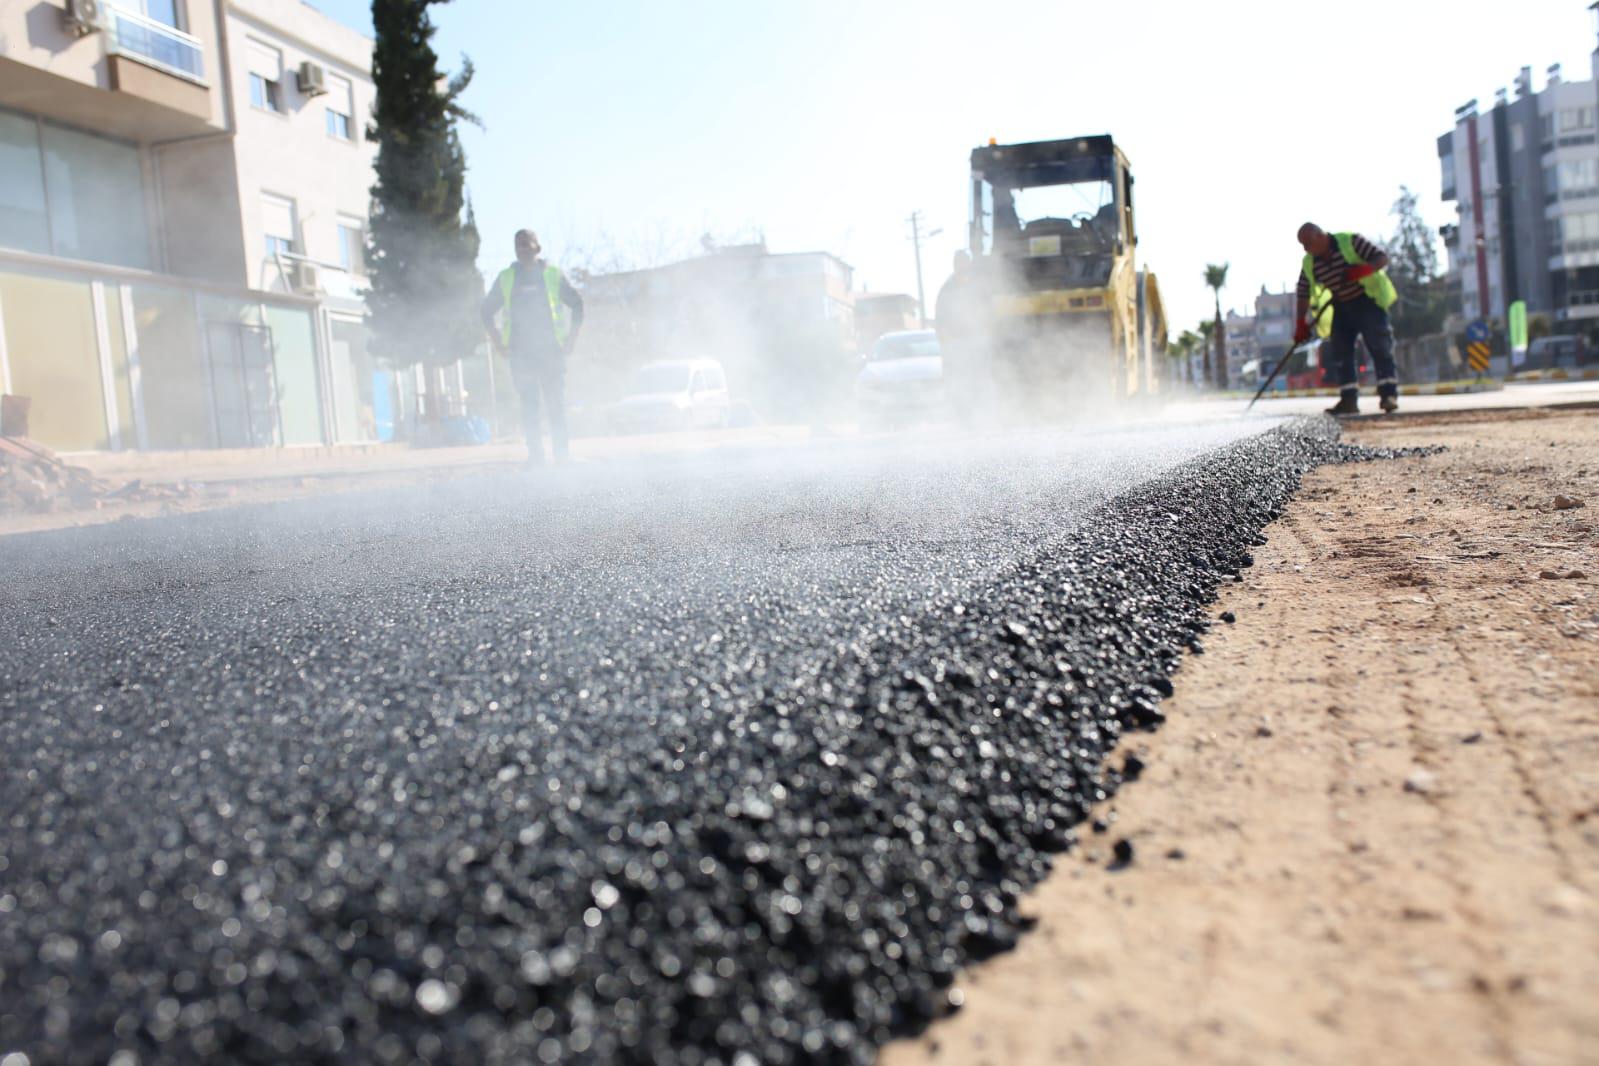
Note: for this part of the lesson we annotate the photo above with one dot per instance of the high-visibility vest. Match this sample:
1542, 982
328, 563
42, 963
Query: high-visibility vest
560, 315
1379, 286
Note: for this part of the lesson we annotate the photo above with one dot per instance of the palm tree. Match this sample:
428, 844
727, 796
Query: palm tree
1216, 278
1207, 336
1177, 351
1182, 350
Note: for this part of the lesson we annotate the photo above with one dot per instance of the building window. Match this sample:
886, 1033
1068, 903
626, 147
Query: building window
1577, 233
166, 12
1518, 137
352, 246
277, 225
24, 209
266, 77
1576, 118
264, 94
341, 108
1578, 177
72, 194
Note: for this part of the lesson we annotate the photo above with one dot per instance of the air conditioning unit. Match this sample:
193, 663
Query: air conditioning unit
303, 277
83, 17
312, 79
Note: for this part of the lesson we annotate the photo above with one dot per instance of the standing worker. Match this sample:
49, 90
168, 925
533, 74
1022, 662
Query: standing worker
1350, 269
539, 315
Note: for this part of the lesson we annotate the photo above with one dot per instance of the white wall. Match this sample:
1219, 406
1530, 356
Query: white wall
291, 154
1568, 97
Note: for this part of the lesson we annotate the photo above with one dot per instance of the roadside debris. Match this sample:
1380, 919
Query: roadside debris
1422, 782
1567, 503
33, 478
1556, 575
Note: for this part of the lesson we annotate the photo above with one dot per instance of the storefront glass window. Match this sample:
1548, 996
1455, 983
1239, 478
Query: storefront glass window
171, 373
353, 383
295, 371
55, 359
23, 221
121, 382
97, 209
238, 348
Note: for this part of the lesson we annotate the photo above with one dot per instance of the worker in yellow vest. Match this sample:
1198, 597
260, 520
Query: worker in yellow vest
1349, 270
532, 315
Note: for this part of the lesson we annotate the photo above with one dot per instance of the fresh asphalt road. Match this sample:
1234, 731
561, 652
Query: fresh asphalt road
487, 770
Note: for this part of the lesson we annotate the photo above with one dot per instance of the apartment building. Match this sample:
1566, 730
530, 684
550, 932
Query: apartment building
877, 313
1524, 175
1243, 347
183, 203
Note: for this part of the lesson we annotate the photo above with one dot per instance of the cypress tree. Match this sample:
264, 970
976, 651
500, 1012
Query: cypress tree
425, 287
1413, 265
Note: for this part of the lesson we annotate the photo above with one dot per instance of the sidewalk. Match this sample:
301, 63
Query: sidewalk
227, 466
1559, 373
188, 481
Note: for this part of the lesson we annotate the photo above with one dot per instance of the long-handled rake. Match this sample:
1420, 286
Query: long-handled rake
1327, 307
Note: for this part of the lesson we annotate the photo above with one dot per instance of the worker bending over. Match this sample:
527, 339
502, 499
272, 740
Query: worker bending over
1349, 270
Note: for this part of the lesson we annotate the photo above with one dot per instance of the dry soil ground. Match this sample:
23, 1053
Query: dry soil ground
1369, 831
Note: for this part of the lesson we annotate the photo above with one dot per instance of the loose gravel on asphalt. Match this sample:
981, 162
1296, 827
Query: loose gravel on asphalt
728, 761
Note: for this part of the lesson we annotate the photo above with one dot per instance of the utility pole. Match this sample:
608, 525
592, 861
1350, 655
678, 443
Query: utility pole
916, 242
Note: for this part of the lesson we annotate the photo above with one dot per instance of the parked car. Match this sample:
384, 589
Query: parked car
901, 379
674, 394
1548, 352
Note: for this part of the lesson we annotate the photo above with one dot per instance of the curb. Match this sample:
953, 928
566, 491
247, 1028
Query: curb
1442, 388
1557, 374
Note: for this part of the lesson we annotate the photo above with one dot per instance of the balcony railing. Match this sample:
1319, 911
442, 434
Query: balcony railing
142, 38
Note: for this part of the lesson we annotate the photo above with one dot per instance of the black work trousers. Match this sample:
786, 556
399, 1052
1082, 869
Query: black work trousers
1362, 318
541, 378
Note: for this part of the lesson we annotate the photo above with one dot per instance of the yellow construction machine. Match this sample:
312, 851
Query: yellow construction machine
1072, 319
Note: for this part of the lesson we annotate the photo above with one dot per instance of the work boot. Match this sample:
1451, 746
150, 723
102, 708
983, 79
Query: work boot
1348, 404
1389, 404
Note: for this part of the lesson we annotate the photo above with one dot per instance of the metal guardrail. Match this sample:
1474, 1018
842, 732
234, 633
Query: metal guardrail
142, 38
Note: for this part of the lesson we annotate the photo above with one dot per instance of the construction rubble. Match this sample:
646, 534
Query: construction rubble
34, 479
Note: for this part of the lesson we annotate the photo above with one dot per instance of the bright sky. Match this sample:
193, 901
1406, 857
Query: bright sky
824, 124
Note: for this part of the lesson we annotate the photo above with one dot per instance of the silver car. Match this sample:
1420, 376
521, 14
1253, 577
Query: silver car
901, 380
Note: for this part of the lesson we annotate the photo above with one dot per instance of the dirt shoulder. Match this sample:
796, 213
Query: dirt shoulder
1370, 828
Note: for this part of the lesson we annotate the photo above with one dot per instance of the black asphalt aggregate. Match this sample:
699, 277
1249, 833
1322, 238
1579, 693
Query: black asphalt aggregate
729, 760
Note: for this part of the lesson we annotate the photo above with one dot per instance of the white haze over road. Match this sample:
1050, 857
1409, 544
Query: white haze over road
823, 125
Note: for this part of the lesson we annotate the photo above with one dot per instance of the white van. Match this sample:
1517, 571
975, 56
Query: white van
674, 394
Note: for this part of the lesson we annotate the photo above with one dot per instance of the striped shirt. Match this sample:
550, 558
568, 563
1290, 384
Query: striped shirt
1331, 268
